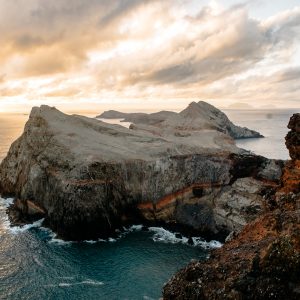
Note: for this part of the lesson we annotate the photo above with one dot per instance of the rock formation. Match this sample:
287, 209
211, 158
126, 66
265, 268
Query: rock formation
89, 177
197, 116
263, 260
293, 137
291, 175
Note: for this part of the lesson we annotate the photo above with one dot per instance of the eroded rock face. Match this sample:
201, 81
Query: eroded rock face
291, 175
293, 137
90, 177
263, 260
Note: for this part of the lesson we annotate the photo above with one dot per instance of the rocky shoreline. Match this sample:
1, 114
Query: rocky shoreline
88, 178
263, 260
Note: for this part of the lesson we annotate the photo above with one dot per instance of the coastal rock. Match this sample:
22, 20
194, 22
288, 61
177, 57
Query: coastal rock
90, 177
293, 137
262, 261
291, 175
211, 207
204, 115
196, 117
137, 118
239, 204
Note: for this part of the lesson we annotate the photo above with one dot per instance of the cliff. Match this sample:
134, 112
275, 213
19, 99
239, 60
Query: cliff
263, 260
87, 177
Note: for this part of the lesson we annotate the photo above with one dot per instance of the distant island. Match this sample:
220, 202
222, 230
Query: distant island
240, 105
269, 106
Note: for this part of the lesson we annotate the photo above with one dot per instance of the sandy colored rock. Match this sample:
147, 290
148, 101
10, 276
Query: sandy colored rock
90, 177
196, 117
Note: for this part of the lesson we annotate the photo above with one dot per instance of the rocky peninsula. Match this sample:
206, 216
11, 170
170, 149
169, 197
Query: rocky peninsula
88, 178
263, 260
196, 117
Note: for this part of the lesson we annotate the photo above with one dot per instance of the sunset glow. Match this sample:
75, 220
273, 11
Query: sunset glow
94, 55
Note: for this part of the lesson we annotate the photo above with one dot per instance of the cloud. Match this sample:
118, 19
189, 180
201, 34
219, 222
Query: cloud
288, 75
146, 48
68, 92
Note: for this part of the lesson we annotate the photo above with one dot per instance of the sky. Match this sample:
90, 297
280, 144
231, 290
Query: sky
93, 55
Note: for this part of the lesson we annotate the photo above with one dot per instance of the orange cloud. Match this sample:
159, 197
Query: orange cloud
142, 49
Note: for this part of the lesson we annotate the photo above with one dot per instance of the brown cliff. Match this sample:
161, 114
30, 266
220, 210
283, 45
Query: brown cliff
263, 260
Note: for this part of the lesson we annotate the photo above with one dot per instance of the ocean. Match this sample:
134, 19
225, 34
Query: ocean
272, 124
35, 265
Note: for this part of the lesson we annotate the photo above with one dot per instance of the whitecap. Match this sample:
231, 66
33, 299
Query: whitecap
90, 242
60, 242
165, 236
63, 284
206, 245
84, 282
19, 229
134, 228
92, 282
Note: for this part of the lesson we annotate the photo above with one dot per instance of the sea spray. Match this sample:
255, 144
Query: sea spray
165, 236
160, 234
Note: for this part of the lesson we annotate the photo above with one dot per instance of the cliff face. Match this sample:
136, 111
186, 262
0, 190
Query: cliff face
89, 177
263, 260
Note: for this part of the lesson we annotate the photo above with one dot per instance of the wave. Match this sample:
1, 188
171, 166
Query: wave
19, 229
165, 236
5, 203
84, 282
160, 234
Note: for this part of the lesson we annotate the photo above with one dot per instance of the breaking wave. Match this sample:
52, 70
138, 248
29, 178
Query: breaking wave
163, 235
160, 234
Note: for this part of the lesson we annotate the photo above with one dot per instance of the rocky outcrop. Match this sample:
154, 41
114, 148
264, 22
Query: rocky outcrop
206, 116
137, 118
196, 117
293, 137
263, 260
291, 175
90, 177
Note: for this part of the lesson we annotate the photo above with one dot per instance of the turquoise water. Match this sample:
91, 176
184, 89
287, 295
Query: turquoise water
35, 265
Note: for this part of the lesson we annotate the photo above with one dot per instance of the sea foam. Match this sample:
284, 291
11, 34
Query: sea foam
165, 236
160, 234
